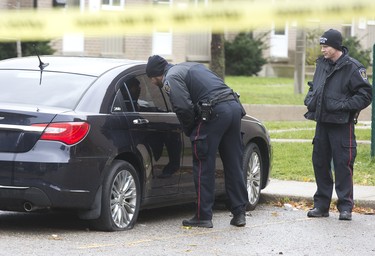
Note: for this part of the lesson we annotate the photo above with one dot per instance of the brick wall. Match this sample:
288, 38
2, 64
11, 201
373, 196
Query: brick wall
137, 47
22, 4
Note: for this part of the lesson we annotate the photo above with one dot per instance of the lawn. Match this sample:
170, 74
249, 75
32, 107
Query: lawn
265, 90
292, 161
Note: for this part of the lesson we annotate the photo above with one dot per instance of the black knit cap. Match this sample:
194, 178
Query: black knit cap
332, 38
155, 66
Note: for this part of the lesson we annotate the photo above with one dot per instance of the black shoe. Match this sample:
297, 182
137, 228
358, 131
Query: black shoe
238, 220
194, 222
316, 213
345, 215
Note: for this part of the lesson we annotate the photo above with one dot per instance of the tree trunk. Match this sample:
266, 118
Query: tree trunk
217, 64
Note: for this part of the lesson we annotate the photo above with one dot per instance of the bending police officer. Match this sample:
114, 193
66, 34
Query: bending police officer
210, 114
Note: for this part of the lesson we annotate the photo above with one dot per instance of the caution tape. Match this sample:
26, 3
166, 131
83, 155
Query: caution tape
43, 24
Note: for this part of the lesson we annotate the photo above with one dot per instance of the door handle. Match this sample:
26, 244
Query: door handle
140, 121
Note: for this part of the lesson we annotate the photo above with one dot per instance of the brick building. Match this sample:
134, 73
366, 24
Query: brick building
177, 47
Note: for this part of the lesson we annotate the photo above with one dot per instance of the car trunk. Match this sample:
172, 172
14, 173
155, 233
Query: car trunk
17, 135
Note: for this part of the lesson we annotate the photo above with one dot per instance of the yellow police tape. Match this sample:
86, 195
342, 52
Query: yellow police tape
217, 17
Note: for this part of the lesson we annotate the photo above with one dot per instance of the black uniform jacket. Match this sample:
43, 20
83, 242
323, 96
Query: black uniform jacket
338, 90
188, 84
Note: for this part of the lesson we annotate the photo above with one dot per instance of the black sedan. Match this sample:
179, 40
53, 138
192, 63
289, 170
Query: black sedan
94, 136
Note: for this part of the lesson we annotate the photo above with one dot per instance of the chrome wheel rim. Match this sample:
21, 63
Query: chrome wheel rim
123, 199
253, 178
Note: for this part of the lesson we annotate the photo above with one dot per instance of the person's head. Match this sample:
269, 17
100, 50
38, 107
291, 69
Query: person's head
155, 69
331, 44
134, 87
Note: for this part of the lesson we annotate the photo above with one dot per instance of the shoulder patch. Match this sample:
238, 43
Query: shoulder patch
362, 73
167, 87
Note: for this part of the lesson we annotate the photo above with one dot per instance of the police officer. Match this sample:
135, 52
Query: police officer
338, 92
210, 114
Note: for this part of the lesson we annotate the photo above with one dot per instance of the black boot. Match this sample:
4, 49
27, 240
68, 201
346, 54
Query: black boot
195, 222
238, 220
345, 215
317, 213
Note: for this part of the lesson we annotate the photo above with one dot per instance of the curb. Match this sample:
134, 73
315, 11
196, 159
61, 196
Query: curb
267, 198
280, 190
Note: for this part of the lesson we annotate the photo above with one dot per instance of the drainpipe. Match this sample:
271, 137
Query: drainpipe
18, 42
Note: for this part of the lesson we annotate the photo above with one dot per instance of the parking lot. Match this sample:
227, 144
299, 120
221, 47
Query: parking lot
270, 230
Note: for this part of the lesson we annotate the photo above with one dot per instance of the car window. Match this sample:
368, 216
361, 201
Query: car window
119, 103
136, 93
54, 89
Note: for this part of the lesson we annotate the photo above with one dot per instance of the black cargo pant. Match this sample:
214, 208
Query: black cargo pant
223, 133
334, 143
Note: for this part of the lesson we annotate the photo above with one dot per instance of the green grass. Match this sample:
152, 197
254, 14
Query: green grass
306, 129
263, 90
292, 161
267, 90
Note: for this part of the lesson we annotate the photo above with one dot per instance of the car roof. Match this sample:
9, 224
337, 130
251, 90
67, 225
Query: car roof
93, 66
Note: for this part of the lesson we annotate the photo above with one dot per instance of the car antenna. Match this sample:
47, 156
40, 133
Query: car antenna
42, 65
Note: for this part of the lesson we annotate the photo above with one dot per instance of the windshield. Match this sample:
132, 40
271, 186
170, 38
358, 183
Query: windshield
52, 89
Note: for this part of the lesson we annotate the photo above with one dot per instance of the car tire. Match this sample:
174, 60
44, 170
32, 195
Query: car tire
253, 170
121, 198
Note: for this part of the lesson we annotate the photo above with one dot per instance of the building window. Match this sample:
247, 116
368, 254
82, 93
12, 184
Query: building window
58, 3
113, 4
73, 3
162, 1
279, 31
346, 30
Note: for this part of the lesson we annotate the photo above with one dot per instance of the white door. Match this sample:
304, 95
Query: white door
279, 43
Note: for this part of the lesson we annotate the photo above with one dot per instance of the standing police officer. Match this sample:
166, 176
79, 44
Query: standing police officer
210, 114
339, 90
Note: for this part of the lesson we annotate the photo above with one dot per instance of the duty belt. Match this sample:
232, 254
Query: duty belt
223, 99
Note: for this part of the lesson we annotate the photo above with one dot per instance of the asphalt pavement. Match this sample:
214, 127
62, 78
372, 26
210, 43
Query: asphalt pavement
364, 196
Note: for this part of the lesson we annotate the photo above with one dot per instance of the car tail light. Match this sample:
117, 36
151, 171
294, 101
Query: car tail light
69, 132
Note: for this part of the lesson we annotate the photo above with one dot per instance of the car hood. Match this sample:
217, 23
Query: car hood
17, 133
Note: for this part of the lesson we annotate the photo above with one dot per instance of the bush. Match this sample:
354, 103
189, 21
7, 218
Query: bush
352, 43
356, 51
312, 45
244, 56
9, 50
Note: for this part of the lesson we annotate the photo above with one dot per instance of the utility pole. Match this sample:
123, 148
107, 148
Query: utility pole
373, 106
299, 68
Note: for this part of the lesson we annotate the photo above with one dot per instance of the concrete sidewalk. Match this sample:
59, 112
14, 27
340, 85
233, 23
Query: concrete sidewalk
364, 196
268, 112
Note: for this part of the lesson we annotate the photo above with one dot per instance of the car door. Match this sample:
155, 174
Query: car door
156, 134
187, 186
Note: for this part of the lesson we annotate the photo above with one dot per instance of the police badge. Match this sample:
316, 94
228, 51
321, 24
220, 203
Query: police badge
167, 88
363, 74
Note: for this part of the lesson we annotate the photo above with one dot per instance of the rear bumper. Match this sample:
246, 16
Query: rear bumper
52, 175
14, 198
